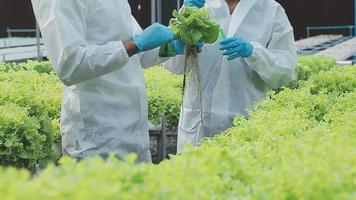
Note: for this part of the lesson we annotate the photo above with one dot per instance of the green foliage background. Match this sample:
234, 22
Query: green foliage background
32, 88
30, 107
298, 144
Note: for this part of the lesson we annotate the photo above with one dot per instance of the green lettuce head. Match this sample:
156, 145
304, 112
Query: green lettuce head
192, 24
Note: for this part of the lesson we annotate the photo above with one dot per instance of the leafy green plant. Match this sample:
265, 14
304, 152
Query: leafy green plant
310, 65
282, 151
191, 25
39, 95
40, 67
167, 50
21, 144
164, 95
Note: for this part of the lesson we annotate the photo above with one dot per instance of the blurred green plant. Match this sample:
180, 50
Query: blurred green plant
296, 145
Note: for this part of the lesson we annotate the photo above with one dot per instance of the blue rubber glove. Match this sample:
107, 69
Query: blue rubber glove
179, 46
196, 3
152, 37
236, 47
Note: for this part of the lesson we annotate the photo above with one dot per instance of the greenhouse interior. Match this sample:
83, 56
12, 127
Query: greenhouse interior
179, 99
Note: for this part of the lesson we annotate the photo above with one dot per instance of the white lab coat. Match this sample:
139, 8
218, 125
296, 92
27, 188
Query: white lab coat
104, 106
230, 87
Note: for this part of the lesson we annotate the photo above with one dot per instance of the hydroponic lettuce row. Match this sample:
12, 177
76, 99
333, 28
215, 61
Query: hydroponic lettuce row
30, 101
163, 88
164, 95
20, 140
38, 95
310, 65
298, 144
26, 126
40, 67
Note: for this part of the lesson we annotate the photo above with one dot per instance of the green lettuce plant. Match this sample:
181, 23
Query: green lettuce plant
191, 25
296, 145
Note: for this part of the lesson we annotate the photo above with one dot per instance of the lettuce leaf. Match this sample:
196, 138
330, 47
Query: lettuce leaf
192, 25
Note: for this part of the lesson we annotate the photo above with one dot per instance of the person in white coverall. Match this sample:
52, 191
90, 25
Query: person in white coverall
258, 54
93, 45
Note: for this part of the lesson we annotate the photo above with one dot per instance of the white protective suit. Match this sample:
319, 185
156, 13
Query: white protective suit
230, 87
104, 106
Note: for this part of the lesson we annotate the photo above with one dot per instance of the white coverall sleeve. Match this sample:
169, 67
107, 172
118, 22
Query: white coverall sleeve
148, 58
176, 65
63, 26
276, 63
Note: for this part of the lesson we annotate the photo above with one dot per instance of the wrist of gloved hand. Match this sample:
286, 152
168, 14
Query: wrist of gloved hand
138, 42
236, 47
178, 46
152, 37
196, 3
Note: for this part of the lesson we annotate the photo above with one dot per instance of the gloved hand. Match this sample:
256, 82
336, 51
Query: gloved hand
179, 46
236, 47
152, 37
196, 3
